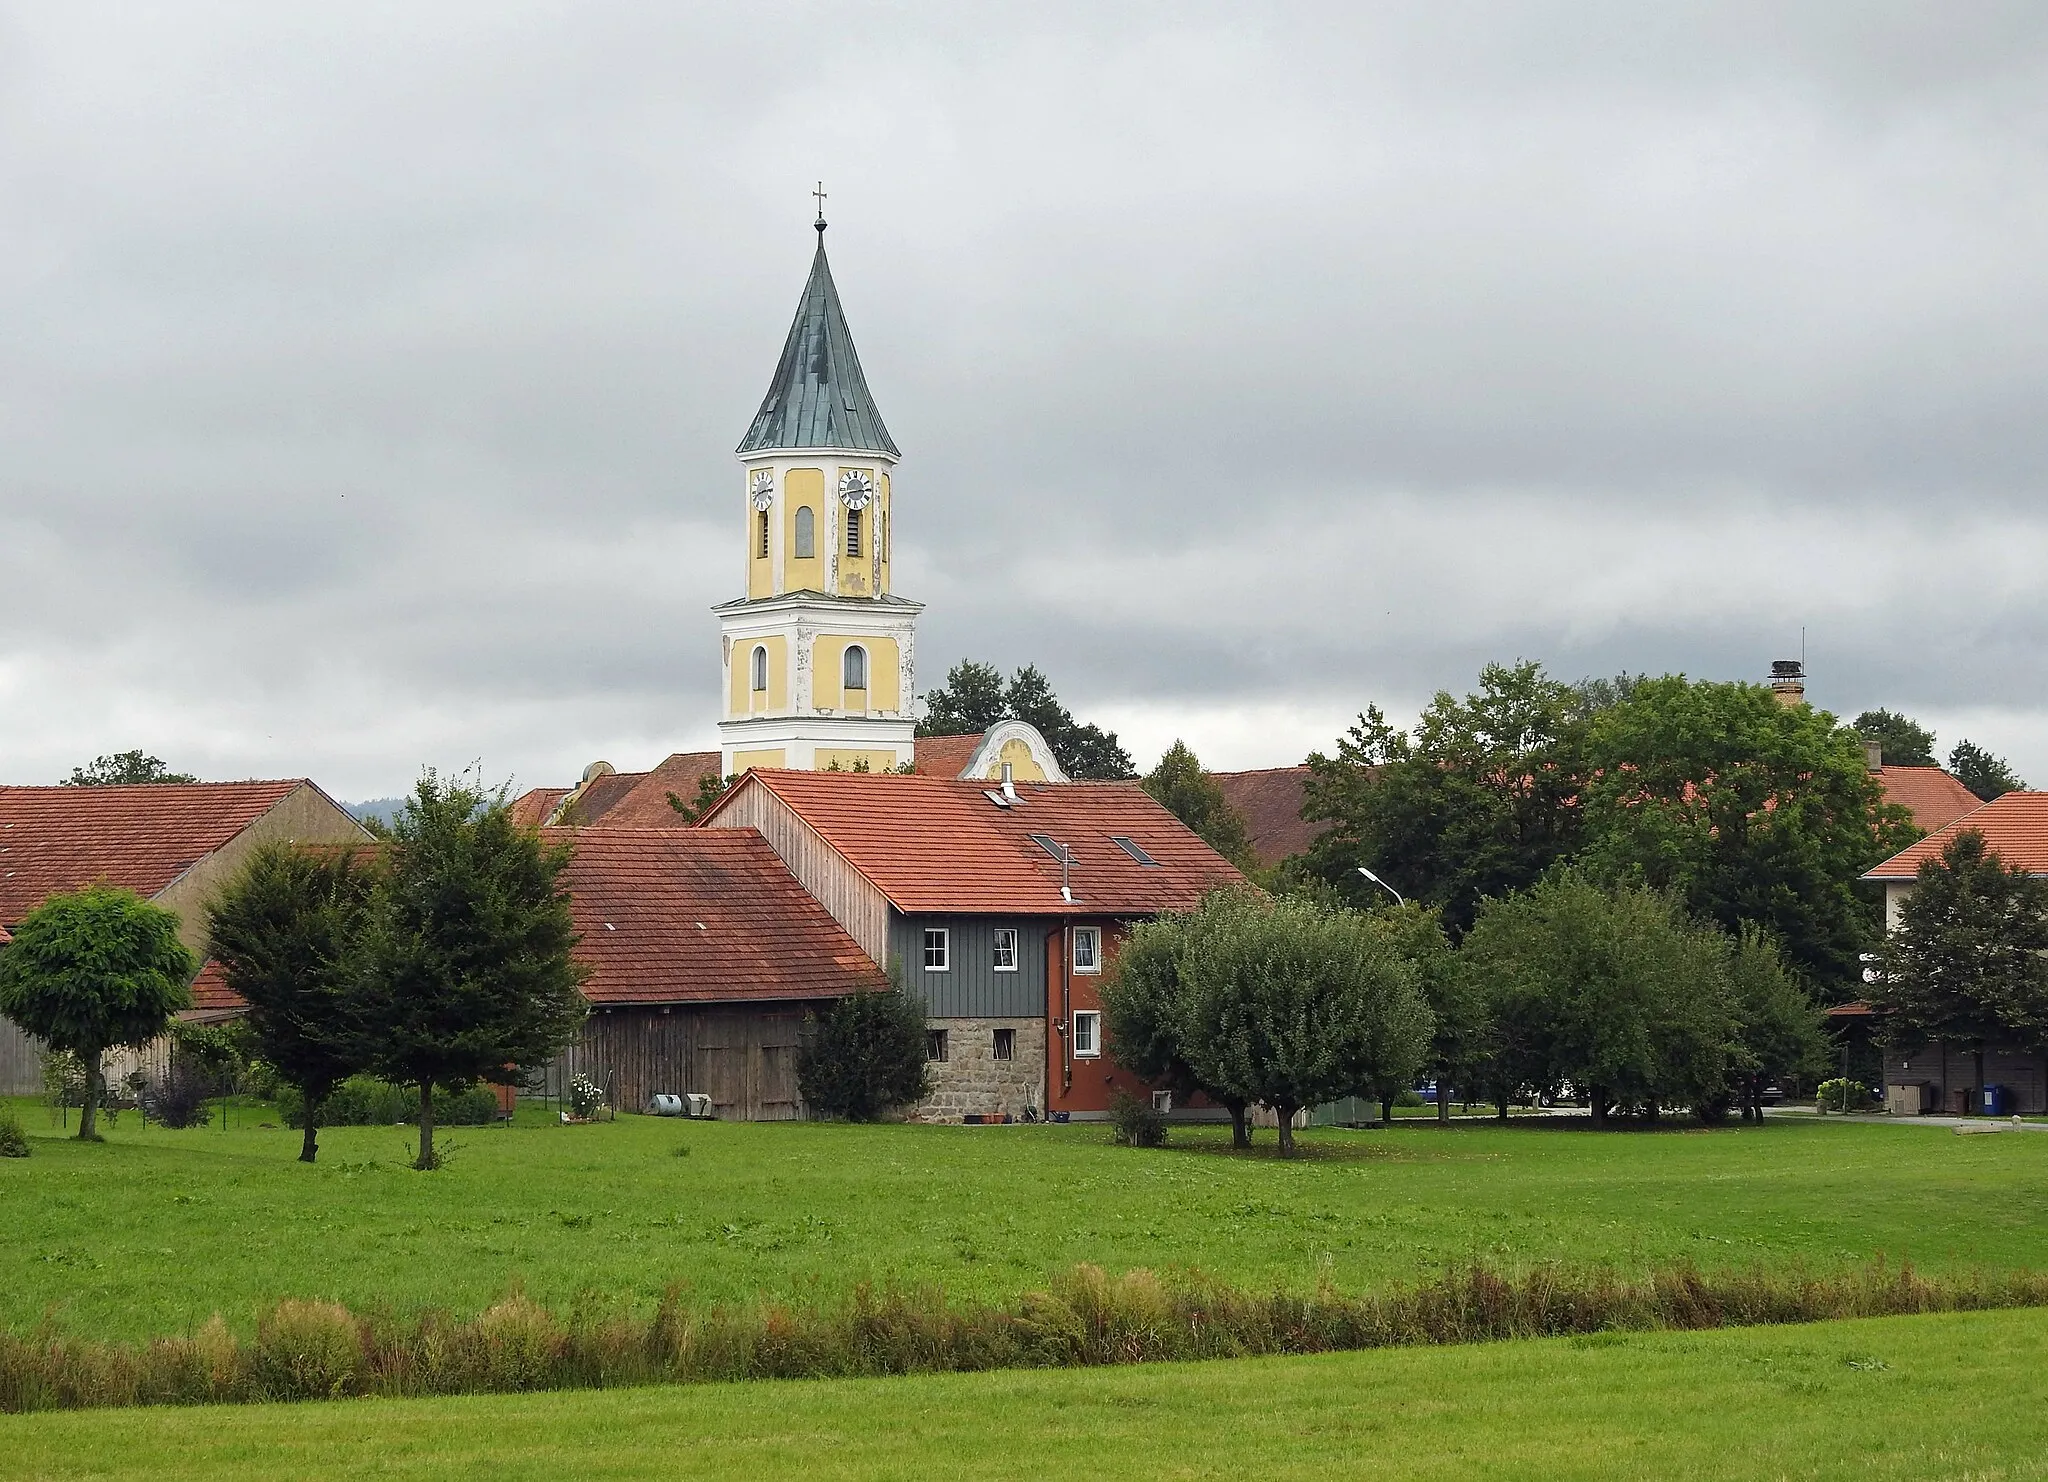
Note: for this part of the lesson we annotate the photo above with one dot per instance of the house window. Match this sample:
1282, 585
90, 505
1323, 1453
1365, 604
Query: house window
1005, 955
935, 1044
761, 543
1087, 1034
1087, 949
935, 949
760, 666
806, 533
855, 666
853, 533
1005, 1047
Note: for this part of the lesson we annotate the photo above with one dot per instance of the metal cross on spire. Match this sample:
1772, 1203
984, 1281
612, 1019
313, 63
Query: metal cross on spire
820, 194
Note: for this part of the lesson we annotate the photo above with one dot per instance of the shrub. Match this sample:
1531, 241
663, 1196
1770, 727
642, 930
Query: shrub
1138, 1123
13, 1141
585, 1096
307, 1351
363, 1101
863, 1055
1409, 1098
1839, 1095
178, 1098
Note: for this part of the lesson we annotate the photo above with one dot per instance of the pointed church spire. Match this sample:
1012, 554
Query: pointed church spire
818, 399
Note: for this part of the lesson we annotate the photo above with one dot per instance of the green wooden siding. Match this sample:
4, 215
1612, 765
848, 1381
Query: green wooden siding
971, 988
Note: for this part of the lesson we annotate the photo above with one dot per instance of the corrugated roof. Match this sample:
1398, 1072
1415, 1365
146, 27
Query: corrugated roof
818, 398
55, 839
937, 845
1934, 797
702, 916
2015, 828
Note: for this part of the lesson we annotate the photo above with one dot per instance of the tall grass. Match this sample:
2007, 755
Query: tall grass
320, 1350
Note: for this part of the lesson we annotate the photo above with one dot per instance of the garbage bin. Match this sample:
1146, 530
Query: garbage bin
1997, 1101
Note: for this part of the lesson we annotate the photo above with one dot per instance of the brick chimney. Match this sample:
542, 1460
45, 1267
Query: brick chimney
1788, 681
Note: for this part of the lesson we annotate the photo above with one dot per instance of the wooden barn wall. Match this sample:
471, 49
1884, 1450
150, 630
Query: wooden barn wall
743, 1058
21, 1073
842, 890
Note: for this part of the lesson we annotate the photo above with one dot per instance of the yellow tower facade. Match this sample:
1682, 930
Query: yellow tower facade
820, 654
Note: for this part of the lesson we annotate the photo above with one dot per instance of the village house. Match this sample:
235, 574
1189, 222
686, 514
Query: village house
171, 843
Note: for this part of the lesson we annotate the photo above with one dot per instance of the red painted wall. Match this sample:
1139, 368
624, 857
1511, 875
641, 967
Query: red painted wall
1074, 1084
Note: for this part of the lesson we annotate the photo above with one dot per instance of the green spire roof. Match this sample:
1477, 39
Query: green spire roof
818, 399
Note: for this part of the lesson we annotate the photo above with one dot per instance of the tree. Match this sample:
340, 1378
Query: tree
865, 1054
1144, 1010
1778, 1032
93, 970
1982, 773
1751, 810
1478, 801
285, 932
1184, 789
1458, 1042
710, 788
1964, 962
125, 769
1610, 988
974, 698
1290, 1005
465, 959
1906, 742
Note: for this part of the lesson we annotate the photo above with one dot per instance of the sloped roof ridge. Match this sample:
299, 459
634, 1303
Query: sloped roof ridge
818, 397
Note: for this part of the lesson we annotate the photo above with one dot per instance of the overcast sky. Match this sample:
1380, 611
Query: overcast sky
369, 374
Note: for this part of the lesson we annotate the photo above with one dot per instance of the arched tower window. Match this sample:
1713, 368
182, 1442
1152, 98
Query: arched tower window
855, 666
761, 538
853, 533
760, 665
806, 533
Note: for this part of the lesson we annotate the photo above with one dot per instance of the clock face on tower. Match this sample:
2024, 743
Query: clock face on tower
764, 488
856, 489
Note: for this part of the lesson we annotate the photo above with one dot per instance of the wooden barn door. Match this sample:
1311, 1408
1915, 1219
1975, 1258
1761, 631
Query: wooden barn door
746, 1063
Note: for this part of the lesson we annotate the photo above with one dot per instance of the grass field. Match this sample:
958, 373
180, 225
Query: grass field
154, 1231
1890, 1398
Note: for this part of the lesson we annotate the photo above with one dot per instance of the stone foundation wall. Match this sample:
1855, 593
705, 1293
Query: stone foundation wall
971, 1081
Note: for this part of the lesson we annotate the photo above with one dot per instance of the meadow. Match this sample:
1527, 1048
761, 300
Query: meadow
155, 1231
1954, 1396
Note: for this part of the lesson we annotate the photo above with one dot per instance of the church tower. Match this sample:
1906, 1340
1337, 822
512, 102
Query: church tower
820, 653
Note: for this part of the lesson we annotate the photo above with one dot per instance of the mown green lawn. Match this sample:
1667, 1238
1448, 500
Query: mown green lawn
1874, 1401
154, 1231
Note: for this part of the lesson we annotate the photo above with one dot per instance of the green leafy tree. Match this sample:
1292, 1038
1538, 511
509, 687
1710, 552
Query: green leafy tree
1611, 988
1459, 1040
1750, 810
465, 961
1480, 799
125, 769
93, 970
1779, 1030
1184, 789
285, 932
1144, 1009
865, 1054
1982, 773
1906, 742
974, 698
710, 788
1964, 962
1290, 1005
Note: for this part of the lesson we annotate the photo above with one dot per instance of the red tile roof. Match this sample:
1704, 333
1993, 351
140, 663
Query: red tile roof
1934, 797
1269, 801
945, 756
211, 994
2015, 828
536, 806
702, 916
936, 845
63, 838
645, 804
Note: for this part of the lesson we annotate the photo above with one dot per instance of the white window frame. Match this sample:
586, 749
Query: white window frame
945, 945
996, 962
757, 666
1092, 1018
1093, 936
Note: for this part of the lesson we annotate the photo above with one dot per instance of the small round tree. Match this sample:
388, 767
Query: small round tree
93, 970
1144, 1007
863, 1055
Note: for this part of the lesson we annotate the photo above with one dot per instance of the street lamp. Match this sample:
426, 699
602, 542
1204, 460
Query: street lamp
1382, 885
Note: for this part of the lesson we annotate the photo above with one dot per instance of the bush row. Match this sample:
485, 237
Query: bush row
362, 1101
318, 1350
